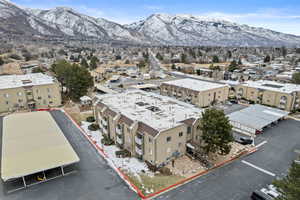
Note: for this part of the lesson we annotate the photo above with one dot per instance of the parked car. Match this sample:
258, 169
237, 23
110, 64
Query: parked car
259, 195
244, 141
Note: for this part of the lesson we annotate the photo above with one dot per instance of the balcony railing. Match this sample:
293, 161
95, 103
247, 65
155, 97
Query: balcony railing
138, 140
104, 130
282, 101
104, 122
119, 140
138, 151
119, 131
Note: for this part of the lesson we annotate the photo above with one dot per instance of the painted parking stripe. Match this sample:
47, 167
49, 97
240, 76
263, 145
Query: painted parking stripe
258, 168
262, 143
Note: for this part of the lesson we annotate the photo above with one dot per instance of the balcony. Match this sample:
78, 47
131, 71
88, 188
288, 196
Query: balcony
104, 130
282, 101
119, 140
119, 131
138, 151
138, 140
297, 100
104, 122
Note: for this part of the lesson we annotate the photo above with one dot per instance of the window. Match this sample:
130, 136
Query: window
128, 129
51, 102
150, 140
169, 139
49, 96
39, 98
48, 89
19, 93
20, 100
179, 144
29, 93
37, 91
7, 102
6, 95
189, 130
180, 134
209, 94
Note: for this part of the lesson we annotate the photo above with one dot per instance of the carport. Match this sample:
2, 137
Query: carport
34, 150
255, 119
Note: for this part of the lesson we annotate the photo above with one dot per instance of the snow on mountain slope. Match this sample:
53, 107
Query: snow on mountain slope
158, 29
193, 30
73, 23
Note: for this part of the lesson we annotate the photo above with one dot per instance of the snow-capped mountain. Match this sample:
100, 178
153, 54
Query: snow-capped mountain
193, 30
79, 25
157, 29
14, 20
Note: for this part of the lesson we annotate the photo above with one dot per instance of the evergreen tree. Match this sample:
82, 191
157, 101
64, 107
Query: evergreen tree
183, 58
93, 63
240, 61
283, 51
159, 56
233, 66
127, 62
289, 187
75, 78
216, 132
215, 59
1, 61
296, 78
84, 63
267, 59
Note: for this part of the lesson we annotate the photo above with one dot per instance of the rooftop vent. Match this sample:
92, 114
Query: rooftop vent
153, 108
26, 81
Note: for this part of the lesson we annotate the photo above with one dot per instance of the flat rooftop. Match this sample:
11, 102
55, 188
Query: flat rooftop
33, 142
157, 111
196, 85
273, 86
257, 116
15, 81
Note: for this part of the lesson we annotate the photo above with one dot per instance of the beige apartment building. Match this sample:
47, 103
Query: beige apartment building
280, 95
153, 128
197, 92
30, 91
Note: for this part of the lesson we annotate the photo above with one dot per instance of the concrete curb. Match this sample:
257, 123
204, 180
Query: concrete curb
126, 178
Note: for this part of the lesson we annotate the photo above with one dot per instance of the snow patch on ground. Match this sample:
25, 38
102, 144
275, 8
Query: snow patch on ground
131, 165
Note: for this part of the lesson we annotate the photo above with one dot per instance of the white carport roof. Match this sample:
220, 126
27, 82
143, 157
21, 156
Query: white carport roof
257, 116
33, 142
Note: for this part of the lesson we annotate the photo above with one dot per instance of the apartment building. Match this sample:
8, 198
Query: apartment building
284, 96
30, 91
197, 92
152, 127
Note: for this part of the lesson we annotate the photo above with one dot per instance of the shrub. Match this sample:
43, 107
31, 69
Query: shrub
90, 119
123, 153
107, 141
165, 171
93, 127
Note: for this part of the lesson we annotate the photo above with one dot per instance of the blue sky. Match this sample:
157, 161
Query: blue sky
280, 15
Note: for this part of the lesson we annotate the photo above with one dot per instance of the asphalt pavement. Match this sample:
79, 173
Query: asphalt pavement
237, 180
95, 180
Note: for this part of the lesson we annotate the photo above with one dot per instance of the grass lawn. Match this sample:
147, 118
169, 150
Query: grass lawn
149, 184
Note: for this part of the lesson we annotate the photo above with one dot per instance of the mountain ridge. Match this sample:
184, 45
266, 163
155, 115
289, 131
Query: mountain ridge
157, 29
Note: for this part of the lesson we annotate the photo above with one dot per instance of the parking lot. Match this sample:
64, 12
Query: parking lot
237, 180
94, 178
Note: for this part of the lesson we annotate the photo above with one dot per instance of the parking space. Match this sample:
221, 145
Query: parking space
237, 180
94, 180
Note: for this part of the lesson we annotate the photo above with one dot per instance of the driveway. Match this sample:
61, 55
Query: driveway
95, 180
